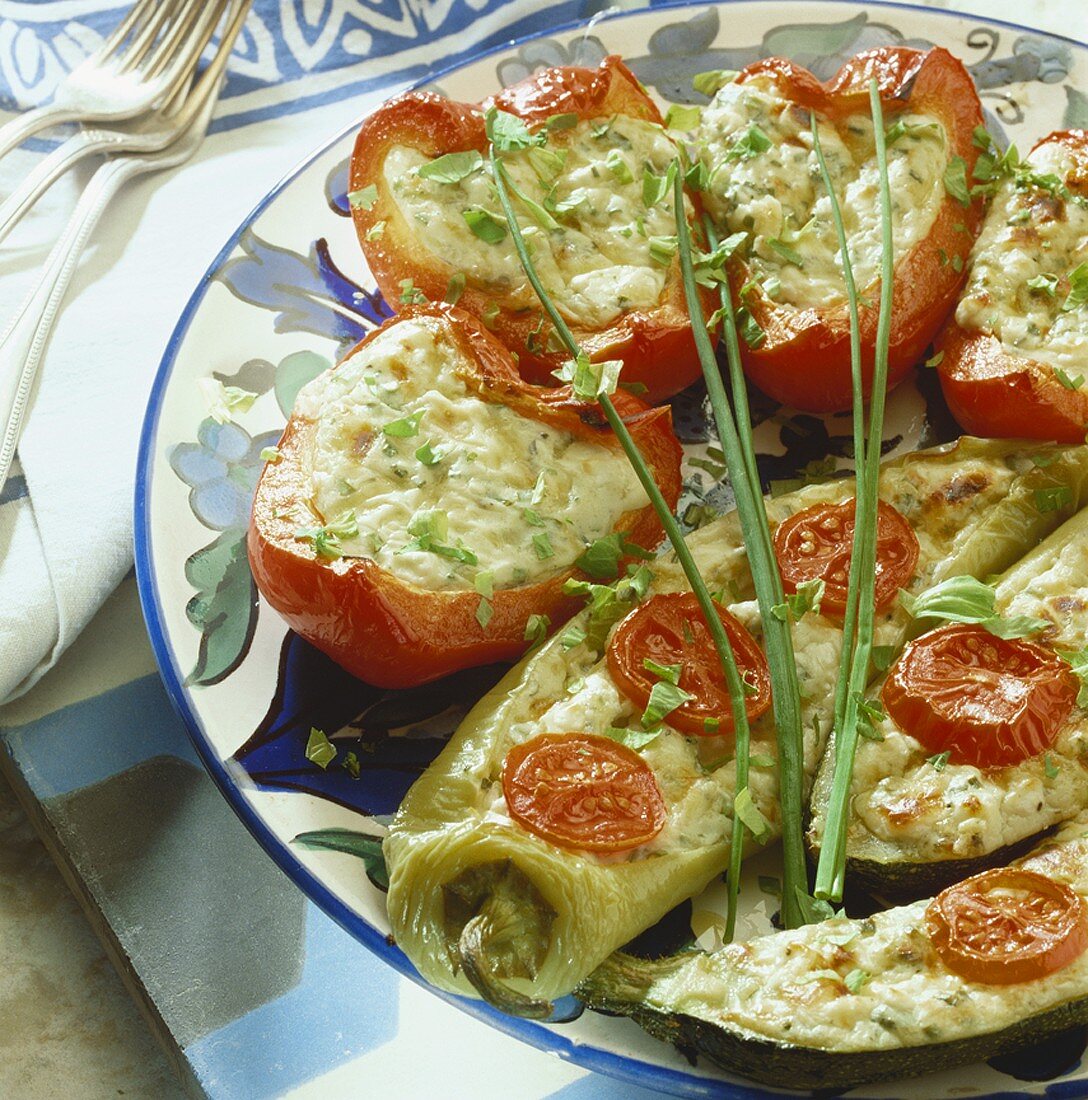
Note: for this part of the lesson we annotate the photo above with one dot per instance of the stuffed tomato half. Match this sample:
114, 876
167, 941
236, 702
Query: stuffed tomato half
587, 162
763, 181
1014, 357
427, 506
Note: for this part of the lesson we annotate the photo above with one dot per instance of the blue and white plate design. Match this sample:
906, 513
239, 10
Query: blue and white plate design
286, 297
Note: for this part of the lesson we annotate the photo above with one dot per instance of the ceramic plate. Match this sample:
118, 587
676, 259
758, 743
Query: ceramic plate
286, 297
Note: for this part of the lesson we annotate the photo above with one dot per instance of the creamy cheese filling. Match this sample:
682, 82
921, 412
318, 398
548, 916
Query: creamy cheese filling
1030, 236
934, 809
765, 181
875, 984
606, 252
449, 491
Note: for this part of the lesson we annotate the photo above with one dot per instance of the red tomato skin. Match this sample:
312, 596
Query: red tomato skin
627, 647
394, 634
656, 345
804, 361
994, 392
636, 779
1057, 922
925, 700
895, 539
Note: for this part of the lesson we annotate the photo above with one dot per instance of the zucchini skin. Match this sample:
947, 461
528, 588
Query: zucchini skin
907, 880
775, 1063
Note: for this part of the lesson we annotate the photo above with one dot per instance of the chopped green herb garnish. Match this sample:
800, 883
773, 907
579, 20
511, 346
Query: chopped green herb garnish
484, 583
375, 232
935, 360
1053, 498
428, 456
1078, 288
882, 657
753, 142
404, 428
1050, 769
790, 255
671, 673
1070, 382
319, 749
589, 379
1047, 284
410, 294
618, 166
573, 635
955, 180
351, 765
856, 979
654, 187
682, 118
938, 762
749, 328
508, 133
455, 288
662, 250
483, 612
601, 559
364, 198
223, 402
536, 629
749, 815
965, 599
543, 546
561, 122
633, 738
271, 454
483, 224
710, 82
451, 167
326, 540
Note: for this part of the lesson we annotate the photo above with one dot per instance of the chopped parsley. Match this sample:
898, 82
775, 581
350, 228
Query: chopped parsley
790, 255
1078, 288
364, 198
955, 180
536, 629
682, 118
669, 673
483, 613
404, 428
319, 749
619, 167
710, 82
326, 540
484, 225
633, 738
748, 813
455, 288
655, 187
1047, 284
410, 294
543, 546
452, 167
427, 455
939, 760
750, 144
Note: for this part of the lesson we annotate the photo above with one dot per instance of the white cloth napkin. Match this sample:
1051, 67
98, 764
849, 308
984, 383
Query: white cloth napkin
66, 511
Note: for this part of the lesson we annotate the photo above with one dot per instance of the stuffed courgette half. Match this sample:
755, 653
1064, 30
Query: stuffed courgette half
985, 741
593, 788
905, 992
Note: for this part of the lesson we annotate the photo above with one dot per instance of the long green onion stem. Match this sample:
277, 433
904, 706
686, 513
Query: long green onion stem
735, 435
737, 694
860, 613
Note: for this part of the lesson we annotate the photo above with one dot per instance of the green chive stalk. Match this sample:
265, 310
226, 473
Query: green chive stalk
734, 682
860, 613
735, 435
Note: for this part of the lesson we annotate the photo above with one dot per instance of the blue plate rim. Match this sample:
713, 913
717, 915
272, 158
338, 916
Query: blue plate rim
620, 1066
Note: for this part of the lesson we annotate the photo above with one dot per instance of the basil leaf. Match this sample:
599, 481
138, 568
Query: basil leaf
664, 699
483, 224
749, 814
451, 167
319, 749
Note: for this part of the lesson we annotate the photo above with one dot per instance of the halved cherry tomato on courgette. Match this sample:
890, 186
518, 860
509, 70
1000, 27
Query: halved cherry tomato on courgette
582, 791
817, 543
654, 342
993, 387
670, 629
987, 701
802, 357
396, 634
1007, 925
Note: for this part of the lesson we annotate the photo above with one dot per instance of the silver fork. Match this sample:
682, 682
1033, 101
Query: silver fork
145, 58
23, 343
143, 134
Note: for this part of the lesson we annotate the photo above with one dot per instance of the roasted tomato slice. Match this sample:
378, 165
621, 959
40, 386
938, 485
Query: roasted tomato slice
787, 276
592, 229
670, 629
1007, 925
818, 543
390, 629
987, 701
582, 791
1012, 360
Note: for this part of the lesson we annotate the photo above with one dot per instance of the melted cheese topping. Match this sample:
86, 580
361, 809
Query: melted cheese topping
791, 986
778, 198
1027, 234
597, 264
523, 497
960, 811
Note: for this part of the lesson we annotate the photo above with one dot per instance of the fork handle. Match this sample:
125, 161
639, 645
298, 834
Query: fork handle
26, 337
28, 123
48, 170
